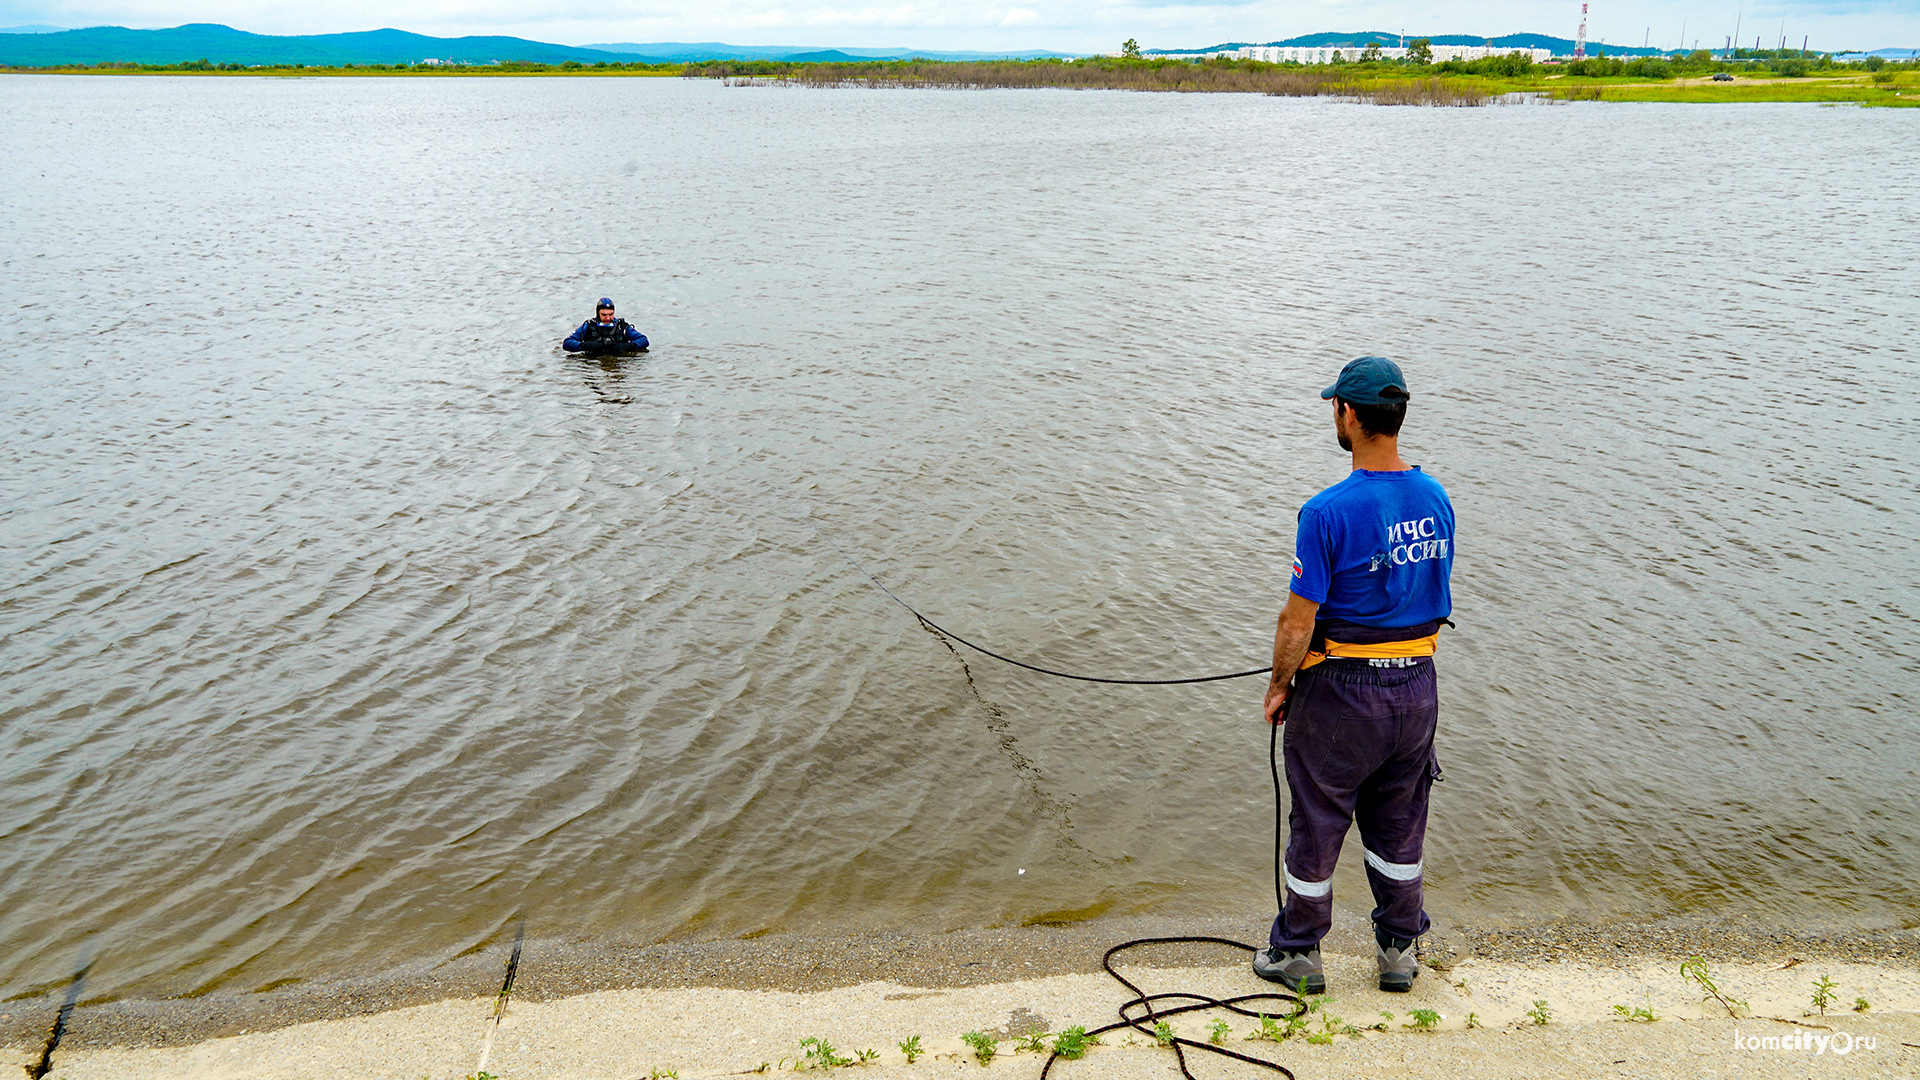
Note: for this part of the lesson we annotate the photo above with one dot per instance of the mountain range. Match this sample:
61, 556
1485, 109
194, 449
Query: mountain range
48, 46
683, 52
42, 46
225, 45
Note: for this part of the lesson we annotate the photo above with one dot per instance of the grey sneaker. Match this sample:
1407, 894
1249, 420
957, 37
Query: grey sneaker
1398, 961
1299, 972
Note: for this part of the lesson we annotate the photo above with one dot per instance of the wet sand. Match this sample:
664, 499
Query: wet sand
723, 1007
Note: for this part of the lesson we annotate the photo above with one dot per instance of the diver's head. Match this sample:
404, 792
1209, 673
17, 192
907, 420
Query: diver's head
604, 312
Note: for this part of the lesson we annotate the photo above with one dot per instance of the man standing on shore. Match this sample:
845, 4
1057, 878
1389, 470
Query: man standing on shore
1353, 682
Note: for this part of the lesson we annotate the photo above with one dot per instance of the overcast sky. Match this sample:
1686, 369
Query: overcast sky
1065, 25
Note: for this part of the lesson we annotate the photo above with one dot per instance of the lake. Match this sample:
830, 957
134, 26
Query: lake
347, 619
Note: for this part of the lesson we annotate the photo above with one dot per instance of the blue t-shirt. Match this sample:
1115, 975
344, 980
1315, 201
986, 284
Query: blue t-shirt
1377, 549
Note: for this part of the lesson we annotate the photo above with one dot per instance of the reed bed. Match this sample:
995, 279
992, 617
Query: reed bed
1166, 76
1085, 75
1429, 92
1093, 75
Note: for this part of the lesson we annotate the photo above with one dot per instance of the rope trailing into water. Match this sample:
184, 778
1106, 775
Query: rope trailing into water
1149, 1016
983, 650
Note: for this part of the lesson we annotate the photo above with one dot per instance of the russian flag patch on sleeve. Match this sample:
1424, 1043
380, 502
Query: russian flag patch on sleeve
1297, 571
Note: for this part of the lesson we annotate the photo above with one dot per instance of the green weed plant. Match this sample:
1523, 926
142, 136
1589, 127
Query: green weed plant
1695, 970
983, 1046
1637, 1015
820, 1054
1823, 993
1072, 1043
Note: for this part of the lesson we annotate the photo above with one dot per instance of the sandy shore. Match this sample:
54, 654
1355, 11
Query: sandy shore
1483, 995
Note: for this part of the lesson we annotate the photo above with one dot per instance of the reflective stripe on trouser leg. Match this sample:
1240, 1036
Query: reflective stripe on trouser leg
1398, 895
1313, 889
1309, 912
1398, 901
1392, 871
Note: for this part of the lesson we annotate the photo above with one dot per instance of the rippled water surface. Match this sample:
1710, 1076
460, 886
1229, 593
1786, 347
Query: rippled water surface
345, 616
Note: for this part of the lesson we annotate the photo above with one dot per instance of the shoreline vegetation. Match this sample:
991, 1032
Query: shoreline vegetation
1491, 1020
799, 961
1699, 78
1516, 1004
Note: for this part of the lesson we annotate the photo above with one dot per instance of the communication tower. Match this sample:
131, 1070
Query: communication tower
1580, 42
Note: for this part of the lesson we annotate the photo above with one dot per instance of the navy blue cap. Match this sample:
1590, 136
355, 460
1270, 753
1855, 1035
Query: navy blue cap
1370, 380
605, 302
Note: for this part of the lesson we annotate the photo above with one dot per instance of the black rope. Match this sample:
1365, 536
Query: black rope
937, 628
1145, 1001
1149, 1015
1273, 763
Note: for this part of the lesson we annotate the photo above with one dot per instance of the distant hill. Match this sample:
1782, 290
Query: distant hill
1557, 45
224, 45
693, 52
823, 56
683, 51
47, 46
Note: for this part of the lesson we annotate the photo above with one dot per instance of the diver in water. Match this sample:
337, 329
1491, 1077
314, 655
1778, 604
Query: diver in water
605, 335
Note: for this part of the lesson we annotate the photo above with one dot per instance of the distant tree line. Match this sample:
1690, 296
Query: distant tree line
1791, 63
445, 66
1131, 69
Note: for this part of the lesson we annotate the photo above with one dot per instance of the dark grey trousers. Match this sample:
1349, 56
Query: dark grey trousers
1358, 745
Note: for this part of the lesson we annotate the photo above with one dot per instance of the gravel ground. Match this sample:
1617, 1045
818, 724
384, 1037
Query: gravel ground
1482, 1030
921, 966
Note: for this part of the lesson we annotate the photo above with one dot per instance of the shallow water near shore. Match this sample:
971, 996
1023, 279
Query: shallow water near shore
347, 621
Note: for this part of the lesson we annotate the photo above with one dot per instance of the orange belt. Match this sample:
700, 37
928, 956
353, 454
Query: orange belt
1385, 650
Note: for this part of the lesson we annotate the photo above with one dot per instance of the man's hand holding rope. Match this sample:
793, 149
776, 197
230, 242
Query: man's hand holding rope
1290, 640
